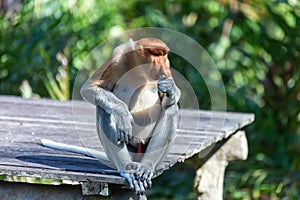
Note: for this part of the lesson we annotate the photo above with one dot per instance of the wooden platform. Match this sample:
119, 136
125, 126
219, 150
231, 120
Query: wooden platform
24, 122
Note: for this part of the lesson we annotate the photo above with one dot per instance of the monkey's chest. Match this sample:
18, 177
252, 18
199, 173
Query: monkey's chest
138, 98
144, 105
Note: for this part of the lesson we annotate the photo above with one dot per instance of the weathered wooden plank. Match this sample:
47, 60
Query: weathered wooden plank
213, 121
60, 174
64, 112
24, 122
26, 191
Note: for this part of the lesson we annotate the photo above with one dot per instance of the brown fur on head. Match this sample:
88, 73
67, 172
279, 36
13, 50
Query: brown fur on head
157, 51
150, 51
152, 46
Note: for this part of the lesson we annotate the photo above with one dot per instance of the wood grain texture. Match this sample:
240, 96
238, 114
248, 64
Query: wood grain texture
24, 122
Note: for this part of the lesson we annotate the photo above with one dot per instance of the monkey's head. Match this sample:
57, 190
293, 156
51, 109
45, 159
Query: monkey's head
154, 52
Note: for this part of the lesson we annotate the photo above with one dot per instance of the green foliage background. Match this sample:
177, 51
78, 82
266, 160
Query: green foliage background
256, 45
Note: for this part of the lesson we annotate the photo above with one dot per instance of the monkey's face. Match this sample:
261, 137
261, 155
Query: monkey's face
154, 53
155, 66
160, 66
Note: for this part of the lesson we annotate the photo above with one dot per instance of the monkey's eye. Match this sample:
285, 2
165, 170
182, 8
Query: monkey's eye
155, 51
156, 54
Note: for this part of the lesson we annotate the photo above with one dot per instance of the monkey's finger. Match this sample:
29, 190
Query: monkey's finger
121, 136
165, 89
162, 88
163, 78
165, 84
129, 131
118, 136
170, 94
126, 138
129, 134
130, 137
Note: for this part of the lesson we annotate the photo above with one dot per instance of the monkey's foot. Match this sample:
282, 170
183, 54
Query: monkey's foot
145, 174
138, 176
134, 183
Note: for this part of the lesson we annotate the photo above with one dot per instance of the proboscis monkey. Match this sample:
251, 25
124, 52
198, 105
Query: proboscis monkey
136, 100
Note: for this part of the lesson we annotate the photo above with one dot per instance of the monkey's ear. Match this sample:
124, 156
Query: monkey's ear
131, 43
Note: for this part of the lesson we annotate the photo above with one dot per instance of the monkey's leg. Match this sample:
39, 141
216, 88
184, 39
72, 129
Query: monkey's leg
117, 151
164, 131
159, 144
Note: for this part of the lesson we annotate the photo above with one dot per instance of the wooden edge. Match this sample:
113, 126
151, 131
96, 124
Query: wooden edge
61, 175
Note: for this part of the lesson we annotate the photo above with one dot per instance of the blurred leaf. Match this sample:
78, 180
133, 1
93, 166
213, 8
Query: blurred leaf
256, 45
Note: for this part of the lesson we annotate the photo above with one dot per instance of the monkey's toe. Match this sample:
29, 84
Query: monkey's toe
130, 178
140, 189
147, 178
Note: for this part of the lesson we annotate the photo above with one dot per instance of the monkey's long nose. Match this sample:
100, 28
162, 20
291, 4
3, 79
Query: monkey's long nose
165, 71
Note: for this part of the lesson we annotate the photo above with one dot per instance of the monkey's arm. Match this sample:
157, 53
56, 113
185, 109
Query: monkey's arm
159, 145
114, 122
97, 91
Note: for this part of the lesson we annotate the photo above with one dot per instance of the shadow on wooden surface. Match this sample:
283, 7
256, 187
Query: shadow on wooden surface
69, 163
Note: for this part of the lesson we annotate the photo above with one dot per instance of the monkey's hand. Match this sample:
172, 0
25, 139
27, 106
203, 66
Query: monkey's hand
167, 86
122, 122
139, 176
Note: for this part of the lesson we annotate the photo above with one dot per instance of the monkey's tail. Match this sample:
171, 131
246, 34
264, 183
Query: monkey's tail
78, 149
